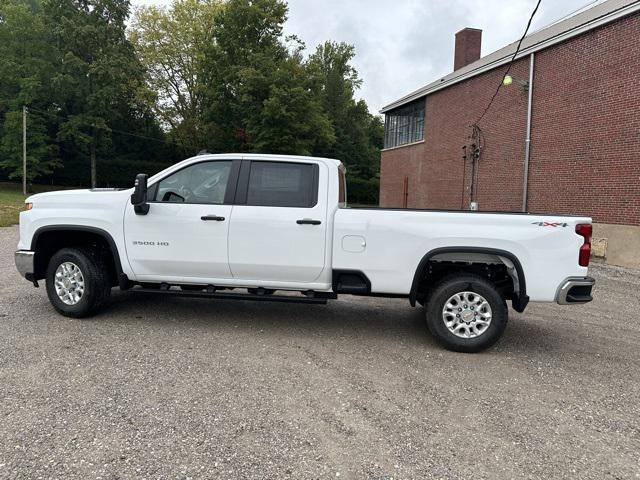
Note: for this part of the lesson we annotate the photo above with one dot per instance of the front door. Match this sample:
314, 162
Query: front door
183, 237
279, 222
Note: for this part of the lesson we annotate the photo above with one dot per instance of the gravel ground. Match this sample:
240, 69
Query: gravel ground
160, 387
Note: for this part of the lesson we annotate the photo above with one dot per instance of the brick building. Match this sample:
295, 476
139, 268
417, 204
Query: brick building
578, 81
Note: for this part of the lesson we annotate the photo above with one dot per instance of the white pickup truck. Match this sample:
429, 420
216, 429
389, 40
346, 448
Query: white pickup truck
278, 228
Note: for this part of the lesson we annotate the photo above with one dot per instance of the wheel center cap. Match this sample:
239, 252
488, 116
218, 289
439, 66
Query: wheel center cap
66, 283
467, 315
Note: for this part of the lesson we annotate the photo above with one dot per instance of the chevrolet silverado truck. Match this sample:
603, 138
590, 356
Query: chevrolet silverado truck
268, 227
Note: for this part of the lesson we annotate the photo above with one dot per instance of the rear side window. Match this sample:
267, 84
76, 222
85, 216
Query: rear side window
283, 184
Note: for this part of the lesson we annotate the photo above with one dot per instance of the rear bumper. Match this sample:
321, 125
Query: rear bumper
24, 263
575, 290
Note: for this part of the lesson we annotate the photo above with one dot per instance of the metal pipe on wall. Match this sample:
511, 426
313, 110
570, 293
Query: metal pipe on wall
527, 141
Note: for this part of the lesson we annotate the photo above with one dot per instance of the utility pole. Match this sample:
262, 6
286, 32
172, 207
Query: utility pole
24, 149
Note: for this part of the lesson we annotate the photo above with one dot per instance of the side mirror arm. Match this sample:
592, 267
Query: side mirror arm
141, 209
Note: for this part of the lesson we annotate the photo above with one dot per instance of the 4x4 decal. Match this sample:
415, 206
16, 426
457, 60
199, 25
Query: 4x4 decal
550, 224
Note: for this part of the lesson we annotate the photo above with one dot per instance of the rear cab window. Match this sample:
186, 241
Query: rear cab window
279, 184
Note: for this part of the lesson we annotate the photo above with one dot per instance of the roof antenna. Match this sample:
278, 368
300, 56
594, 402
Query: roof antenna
202, 152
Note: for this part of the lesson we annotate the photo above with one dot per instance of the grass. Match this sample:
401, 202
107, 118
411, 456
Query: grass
12, 201
11, 204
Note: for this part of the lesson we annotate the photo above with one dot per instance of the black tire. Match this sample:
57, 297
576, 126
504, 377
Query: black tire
97, 286
459, 283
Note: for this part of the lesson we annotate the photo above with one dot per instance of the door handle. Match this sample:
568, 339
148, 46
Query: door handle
308, 221
212, 217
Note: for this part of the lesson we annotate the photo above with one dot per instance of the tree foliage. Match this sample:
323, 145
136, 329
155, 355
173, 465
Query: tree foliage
97, 75
359, 135
25, 69
106, 100
71, 64
171, 45
258, 91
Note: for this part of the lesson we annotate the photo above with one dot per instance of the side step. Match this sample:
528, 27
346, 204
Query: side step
319, 298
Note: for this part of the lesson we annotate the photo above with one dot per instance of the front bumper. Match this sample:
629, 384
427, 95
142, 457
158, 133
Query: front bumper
24, 263
575, 290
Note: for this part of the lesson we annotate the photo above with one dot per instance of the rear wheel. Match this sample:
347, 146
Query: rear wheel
77, 282
466, 313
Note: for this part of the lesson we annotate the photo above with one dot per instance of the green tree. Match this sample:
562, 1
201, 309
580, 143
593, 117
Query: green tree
359, 134
42, 153
171, 44
259, 96
98, 78
25, 70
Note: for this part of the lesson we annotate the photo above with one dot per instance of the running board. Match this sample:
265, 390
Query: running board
319, 298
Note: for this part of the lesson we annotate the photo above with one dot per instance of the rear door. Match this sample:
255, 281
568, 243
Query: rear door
184, 235
279, 222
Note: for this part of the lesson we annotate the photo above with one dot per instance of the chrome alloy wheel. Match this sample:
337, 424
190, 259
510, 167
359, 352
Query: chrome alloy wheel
69, 283
467, 314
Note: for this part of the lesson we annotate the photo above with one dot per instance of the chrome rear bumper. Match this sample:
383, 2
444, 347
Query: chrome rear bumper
575, 290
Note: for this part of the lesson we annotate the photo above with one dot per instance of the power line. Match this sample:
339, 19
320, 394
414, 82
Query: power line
122, 132
510, 63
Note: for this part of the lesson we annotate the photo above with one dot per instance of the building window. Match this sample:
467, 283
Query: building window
404, 125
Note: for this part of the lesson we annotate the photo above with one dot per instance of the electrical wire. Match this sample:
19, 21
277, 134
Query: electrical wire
464, 175
479, 140
477, 135
510, 63
472, 152
121, 132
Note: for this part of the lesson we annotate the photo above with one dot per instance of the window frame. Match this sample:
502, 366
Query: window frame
229, 194
405, 125
242, 190
342, 187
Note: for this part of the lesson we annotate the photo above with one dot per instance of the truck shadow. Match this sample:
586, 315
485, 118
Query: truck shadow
365, 319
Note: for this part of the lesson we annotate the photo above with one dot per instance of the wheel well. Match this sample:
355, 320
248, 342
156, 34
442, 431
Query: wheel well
499, 267
46, 243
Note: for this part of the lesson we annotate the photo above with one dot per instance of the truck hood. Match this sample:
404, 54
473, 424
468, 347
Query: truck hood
91, 195
96, 199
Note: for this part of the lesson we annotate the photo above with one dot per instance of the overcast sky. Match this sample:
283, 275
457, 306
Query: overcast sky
402, 45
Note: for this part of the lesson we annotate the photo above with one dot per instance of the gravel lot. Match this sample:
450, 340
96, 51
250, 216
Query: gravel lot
160, 387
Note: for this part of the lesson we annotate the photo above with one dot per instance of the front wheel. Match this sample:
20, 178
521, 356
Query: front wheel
77, 282
466, 313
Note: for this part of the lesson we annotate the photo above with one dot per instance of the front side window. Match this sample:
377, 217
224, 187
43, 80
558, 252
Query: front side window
404, 125
282, 184
204, 182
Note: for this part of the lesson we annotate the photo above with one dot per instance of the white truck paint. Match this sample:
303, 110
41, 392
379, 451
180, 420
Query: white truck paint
231, 240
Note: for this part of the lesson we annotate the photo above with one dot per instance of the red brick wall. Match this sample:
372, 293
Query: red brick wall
395, 165
585, 135
586, 126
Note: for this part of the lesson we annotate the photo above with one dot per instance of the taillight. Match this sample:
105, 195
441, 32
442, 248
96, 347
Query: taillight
584, 230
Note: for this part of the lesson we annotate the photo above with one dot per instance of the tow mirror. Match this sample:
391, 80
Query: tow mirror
139, 195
